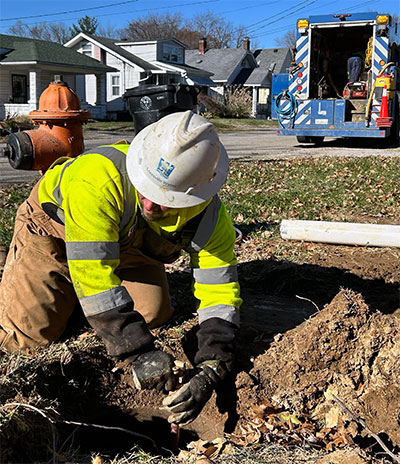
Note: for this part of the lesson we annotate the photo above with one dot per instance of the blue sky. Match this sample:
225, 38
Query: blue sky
266, 20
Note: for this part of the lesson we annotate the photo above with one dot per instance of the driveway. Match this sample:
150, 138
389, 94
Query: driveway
264, 144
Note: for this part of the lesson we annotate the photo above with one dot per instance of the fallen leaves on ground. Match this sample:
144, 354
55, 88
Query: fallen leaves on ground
270, 424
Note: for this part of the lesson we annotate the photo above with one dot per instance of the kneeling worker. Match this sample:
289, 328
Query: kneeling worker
98, 228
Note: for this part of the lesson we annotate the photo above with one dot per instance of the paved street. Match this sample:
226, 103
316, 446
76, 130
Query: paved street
258, 144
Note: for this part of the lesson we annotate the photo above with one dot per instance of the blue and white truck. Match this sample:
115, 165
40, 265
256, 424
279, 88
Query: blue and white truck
320, 101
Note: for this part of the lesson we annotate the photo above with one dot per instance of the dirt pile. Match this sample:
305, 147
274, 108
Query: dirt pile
346, 350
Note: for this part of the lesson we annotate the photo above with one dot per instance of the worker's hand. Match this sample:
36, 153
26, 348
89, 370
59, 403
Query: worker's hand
153, 369
186, 403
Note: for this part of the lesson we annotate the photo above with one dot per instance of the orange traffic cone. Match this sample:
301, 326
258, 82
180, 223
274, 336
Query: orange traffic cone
383, 120
384, 112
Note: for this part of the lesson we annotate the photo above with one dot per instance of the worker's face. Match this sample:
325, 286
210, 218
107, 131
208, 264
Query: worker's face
152, 211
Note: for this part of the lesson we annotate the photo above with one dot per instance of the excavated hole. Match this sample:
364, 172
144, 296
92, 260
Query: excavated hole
84, 390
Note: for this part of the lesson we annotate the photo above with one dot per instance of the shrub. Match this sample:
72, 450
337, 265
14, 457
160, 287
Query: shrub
237, 103
212, 107
13, 123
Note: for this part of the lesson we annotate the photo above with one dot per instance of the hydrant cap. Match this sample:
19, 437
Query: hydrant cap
59, 101
59, 97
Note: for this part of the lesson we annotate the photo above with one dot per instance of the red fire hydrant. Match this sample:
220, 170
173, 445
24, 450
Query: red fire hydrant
60, 121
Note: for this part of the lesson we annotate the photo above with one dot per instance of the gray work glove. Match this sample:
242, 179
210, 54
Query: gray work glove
186, 403
153, 369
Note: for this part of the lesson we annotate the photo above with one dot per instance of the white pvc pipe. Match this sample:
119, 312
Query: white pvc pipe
345, 233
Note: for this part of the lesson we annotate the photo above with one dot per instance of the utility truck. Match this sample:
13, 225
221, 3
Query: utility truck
321, 101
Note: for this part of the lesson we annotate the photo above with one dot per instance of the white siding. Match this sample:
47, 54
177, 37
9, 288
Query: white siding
131, 77
15, 109
147, 52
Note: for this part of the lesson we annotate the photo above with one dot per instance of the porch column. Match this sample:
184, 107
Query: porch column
34, 90
80, 87
100, 89
101, 100
254, 103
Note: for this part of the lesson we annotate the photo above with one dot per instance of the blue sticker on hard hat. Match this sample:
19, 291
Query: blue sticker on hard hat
165, 168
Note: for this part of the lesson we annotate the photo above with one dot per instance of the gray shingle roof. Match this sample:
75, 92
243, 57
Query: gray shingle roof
267, 57
255, 76
220, 61
25, 49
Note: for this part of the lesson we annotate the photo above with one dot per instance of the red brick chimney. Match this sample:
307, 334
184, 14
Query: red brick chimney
202, 46
246, 43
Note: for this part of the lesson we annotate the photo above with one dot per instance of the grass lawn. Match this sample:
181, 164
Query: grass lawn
222, 125
264, 193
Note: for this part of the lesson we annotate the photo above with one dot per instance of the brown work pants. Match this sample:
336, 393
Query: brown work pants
37, 297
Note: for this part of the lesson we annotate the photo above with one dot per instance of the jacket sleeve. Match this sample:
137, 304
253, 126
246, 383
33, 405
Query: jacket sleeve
215, 285
93, 208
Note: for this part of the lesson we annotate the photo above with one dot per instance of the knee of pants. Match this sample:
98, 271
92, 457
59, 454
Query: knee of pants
157, 319
148, 288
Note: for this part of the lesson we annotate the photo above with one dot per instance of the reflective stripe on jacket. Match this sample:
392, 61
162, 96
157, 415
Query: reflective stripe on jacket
93, 197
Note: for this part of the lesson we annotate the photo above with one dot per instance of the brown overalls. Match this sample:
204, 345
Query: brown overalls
37, 297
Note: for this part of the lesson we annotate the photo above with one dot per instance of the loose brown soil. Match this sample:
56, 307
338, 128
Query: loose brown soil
321, 329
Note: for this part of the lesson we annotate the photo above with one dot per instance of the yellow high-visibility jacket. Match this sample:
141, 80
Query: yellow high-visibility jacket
95, 200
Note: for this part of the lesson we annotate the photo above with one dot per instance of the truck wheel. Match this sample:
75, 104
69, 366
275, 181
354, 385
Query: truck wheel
310, 139
303, 139
317, 140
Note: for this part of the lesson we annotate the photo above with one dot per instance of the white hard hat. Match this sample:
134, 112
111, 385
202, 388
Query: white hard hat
178, 161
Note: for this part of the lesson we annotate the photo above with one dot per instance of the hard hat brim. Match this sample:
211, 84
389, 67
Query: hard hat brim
172, 199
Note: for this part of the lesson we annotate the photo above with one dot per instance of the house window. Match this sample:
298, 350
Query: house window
87, 49
263, 96
115, 85
19, 88
172, 54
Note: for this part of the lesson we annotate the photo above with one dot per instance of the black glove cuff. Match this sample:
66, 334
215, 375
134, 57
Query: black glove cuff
216, 339
123, 330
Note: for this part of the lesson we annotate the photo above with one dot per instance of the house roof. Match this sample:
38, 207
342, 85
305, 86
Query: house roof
111, 44
116, 47
185, 68
221, 61
252, 77
276, 60
24, 49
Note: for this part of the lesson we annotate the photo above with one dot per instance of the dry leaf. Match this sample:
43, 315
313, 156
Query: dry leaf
332, 417
263, 409
287, 417
330, 392
185, 456
84, 335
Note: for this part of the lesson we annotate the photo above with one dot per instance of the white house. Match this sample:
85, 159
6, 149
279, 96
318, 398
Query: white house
150, 62
27, 66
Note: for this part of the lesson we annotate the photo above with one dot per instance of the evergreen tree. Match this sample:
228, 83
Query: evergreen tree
87, 24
